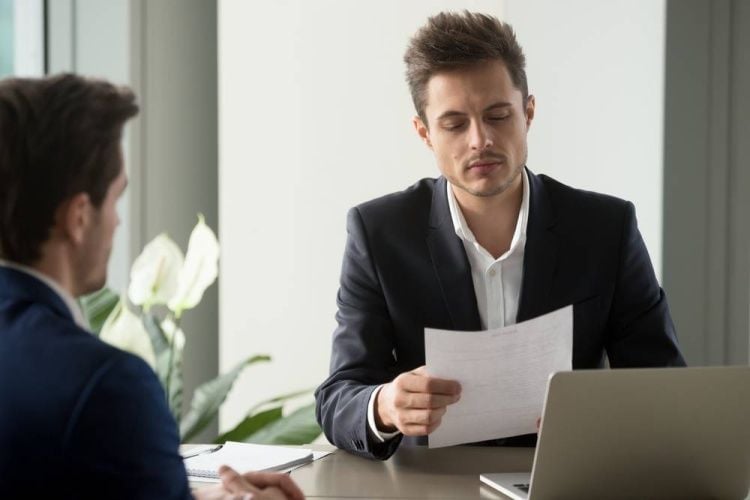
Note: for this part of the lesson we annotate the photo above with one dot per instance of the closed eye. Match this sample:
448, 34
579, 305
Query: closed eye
453, 126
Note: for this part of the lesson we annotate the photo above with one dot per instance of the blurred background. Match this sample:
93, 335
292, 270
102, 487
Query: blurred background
273, 118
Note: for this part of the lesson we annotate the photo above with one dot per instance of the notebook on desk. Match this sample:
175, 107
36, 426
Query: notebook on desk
640, 433
245, 457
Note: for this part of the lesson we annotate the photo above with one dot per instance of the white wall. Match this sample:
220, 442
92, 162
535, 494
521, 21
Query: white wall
597, 70
314, 117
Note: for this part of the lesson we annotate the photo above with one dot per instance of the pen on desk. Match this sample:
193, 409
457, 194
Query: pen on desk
203, 452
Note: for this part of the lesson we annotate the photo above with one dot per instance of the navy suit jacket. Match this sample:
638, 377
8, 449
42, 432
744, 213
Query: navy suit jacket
78, 417
405, 269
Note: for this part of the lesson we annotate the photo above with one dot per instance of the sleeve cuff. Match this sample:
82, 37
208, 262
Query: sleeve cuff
374, 433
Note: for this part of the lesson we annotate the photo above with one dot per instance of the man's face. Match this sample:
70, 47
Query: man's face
97, 246
476, 125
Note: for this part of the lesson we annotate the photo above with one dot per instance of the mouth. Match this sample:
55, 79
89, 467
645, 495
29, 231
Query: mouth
484, 164
484, 167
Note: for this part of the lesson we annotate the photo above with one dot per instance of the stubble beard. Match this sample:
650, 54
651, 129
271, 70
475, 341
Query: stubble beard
499, 189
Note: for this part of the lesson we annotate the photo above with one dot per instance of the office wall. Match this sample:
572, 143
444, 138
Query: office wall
314, 117
597, 70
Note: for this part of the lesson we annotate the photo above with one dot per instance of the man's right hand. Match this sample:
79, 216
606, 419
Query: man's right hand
251, 485
414, 403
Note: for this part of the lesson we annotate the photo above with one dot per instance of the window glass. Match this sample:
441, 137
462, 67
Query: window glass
6, 38
21, 37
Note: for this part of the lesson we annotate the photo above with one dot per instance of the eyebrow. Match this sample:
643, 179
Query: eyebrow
497, 105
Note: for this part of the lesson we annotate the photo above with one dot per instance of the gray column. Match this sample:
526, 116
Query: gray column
175, 148
706, 197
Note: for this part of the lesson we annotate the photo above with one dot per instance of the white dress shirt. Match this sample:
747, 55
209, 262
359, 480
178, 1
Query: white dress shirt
497, 282
67, 299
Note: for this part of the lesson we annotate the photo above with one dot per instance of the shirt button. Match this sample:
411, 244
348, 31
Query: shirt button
492, 272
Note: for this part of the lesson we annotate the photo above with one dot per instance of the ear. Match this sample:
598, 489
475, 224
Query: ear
422, 131
530, 108
74, 217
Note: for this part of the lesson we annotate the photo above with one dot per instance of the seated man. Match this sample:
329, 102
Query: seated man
486, 245
78, 417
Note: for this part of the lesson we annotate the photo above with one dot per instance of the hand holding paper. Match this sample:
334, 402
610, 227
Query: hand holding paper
503, 375
414, 403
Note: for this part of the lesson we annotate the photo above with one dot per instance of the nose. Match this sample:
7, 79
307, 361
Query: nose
479, 137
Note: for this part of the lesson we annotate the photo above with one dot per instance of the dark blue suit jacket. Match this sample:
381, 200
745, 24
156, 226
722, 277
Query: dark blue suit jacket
78, 417
405, 269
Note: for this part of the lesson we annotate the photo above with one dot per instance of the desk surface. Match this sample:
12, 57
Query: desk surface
411, 473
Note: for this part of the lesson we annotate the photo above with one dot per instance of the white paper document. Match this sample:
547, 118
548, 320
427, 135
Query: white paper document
503, 375
244, 457
317, 455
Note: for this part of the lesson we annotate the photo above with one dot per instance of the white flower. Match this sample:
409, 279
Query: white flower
171, 331
154, 275
199, 271
124, 329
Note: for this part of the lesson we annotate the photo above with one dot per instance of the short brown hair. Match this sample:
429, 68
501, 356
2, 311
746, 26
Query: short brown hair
452, 40
59, 136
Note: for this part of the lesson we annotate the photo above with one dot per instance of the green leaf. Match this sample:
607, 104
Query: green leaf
251, 425
158, 337
298, 428
276, 400
97, 307
208, 398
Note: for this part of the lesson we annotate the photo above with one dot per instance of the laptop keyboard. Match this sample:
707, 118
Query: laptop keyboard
522, 486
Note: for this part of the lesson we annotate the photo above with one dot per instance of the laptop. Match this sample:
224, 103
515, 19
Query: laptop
640, 433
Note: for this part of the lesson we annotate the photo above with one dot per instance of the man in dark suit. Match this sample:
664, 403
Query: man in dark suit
78, 417
487, 244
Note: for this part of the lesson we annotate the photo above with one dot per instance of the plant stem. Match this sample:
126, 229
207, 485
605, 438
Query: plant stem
176, 321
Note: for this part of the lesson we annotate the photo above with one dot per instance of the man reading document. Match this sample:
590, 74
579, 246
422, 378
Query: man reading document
487, 244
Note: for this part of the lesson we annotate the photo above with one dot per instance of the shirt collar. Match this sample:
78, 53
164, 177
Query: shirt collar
464, 232
67, 299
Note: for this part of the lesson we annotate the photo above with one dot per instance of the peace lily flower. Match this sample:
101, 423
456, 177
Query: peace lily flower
199, 270
174, 334
154, 275
125, 330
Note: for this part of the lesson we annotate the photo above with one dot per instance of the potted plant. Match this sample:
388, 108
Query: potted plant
164, 284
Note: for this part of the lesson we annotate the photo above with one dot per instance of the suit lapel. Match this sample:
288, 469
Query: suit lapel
540, 254
451, 264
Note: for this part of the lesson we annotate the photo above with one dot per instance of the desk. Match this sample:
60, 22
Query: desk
411, 473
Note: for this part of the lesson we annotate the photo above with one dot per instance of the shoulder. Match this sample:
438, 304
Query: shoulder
414, 200
89, 375
580, 199
120, 380
396, 216
580, 207
57, 345
123, 434
123, 399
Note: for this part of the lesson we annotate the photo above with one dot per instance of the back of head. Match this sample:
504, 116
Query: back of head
452, 41
59, 136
